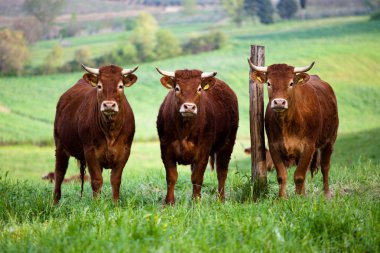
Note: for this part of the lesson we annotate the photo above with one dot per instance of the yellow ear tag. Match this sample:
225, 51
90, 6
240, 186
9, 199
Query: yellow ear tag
206, 87
258, 78
300, 80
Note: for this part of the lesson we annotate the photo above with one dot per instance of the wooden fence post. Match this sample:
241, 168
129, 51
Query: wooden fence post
256, 112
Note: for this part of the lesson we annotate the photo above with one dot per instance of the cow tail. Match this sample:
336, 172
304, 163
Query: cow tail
314, 164
212, 161
82, 173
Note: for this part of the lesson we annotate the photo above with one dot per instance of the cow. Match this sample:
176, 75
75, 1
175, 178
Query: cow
268, 159
76, 178
301, 121
197, 120
95, 124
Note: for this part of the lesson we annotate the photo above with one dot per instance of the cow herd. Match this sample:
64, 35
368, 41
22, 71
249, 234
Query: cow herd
196, 123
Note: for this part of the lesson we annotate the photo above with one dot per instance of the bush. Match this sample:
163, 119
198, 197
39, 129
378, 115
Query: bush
82, 56
375, 16
208, 42
30, 27
287, 8
130, 24
53, 60
123, 55
14, 52
167, 45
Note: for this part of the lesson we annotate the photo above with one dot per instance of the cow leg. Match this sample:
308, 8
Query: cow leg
61, 163
197, 176
171, 174
95, 173
116, 174
301, 170
222, 161
280, 170
325, 168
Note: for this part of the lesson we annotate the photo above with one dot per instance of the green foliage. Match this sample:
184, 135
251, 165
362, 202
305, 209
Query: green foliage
287, 8
130, 24
375, 16
53, 60
72, 28
167, 45
235, 9
265, 11
14, 52
250, 8
143, 36
208, 42
122, 55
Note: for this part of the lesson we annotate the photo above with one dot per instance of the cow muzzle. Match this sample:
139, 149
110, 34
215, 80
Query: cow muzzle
188, 109
279, 104
109, 107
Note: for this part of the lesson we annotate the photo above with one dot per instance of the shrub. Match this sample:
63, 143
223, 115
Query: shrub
208, 42
265, 11
287, 8
375, 16
14, 52
167, 45
53, 60
30, 27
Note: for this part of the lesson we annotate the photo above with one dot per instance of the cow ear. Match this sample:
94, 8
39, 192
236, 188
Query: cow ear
130, 79
259, 77
91, 79
207, 83
301, 78
167, 82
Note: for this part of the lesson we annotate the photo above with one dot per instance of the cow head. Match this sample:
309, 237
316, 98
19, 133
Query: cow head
281, 80
109, 82
188, 86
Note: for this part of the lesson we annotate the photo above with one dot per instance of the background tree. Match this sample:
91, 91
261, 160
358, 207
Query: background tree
265, 11
53, 60
167, 45
30, 27
44, 11
287, 8
235, 10
14, 52
189, 6
143, 36
250, 7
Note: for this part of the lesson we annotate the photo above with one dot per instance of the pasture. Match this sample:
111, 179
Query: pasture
346, 51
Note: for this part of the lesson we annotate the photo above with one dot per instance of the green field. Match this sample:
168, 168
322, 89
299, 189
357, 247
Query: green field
346, 51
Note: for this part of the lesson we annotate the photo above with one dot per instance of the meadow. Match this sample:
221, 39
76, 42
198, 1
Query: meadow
346, 51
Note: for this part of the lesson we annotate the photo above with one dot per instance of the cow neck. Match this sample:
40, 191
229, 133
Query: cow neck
185, 127
111, 125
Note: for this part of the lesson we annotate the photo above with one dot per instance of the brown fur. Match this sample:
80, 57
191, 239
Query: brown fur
191, 141
308, 127
96, 140
76, 178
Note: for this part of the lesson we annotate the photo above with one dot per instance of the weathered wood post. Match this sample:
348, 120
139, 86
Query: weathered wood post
256, 112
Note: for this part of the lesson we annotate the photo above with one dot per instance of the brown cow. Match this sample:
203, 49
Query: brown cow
95, 124
76, 178
197, 120
301, 120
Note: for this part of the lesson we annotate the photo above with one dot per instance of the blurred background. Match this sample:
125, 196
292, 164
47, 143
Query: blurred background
44, 42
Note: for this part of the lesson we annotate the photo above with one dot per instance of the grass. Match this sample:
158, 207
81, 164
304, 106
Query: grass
346, 51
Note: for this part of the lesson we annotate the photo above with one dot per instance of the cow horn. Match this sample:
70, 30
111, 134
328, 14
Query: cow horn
303, 69
166, 73
91, 70
208, 74
128, 71
257, 68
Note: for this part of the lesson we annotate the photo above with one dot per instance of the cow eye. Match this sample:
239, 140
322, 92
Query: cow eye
199, 89
99, 87
268, 83
121, 87
176, 89
291, 84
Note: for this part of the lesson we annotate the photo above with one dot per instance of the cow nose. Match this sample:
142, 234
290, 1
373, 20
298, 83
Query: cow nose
279, 103
188, 109
109, 106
